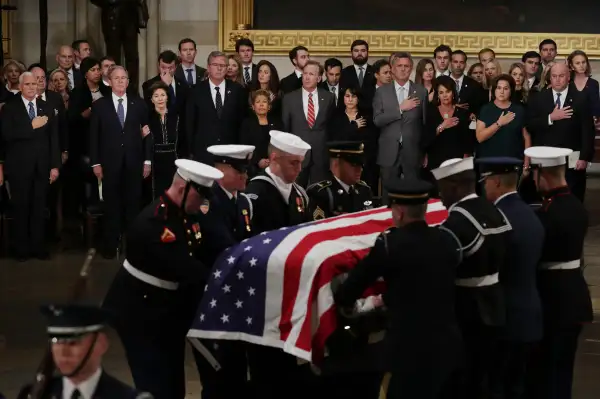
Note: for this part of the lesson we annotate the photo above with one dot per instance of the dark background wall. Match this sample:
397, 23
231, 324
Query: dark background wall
564, 16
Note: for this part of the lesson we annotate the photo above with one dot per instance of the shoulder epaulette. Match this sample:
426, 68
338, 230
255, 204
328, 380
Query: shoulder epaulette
319, 185
363, 183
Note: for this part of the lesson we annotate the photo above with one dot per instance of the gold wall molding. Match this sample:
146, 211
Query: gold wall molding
382, 43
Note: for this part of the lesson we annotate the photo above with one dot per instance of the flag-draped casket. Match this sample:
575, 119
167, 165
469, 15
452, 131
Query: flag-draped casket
274, 289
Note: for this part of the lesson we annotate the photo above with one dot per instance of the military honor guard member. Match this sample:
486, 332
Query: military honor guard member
78, 342
500, 176
155, 295
342, 191
423, 346
277, 200
232, 209
480, 307
563, 290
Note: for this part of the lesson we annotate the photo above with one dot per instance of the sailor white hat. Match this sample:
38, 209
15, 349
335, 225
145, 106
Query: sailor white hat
234, 151
288, 142
196, 172
546, 157
452, 167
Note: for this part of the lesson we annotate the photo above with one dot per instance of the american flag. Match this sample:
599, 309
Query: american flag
274, 289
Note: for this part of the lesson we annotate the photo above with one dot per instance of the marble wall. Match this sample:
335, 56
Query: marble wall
170, 21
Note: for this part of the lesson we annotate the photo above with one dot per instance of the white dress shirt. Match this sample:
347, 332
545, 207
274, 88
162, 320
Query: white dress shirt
86, 388
357, 69
115, 99
26, 102
458, 82
531, 81
563, 96
315, 99
105, 82
213, 92
445, 73
11, 90
193, 71
298, 73
404, 89
284, 188
336, 92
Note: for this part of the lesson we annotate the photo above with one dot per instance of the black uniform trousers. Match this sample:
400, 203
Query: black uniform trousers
423, 383
28, 199
157, 362
577, 182
124, 36
231, 380
480, 344
121, 191
511, 363
553, 362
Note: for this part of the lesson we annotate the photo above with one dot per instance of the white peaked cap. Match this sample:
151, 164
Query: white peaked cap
289, 143
235, 151
548, 156
452, 167
197, 172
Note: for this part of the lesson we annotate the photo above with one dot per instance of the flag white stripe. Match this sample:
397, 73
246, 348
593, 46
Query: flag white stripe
278, 258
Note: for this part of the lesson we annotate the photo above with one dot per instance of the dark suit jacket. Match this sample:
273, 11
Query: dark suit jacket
252, 133
181, 92
204, 127
340, 96
180, 74
290, 83
56, 102
472, 93
108, 387
349, 77
118, 148
576, 133
29, 151
524, 309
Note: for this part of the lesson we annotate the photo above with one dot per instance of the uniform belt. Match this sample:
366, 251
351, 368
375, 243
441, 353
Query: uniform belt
478, 281
166, 147
573, 264
148, 279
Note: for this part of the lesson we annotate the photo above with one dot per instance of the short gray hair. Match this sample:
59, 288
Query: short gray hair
215, 54
401, 54
23, 75
114, 68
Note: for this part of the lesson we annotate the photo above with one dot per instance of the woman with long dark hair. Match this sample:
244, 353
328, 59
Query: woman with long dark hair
268, 79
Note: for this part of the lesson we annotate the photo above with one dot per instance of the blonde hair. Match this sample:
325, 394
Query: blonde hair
238, 61
525, 85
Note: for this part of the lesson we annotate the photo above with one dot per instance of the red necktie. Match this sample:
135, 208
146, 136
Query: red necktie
310, 117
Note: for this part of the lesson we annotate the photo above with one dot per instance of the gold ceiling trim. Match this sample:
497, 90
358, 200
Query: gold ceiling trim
235, 21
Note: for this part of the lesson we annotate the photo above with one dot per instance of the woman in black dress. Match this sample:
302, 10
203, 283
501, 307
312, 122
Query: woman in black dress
268, 80
164, 129
447, 134
255, 130
354, 123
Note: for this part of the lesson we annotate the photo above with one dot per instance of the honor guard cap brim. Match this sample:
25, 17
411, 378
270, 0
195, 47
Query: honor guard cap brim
498, 165
67, 322
197, 173
409, 192
289, 143
236, 155
452, 167
546, 157
350, 151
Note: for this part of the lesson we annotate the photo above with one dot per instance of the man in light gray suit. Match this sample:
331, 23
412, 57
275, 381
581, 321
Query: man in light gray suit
306, 113
399, 111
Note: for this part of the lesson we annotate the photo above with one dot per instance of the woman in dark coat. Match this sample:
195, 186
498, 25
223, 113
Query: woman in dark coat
164, 125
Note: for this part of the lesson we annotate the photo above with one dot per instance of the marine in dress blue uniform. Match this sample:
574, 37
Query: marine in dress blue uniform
78, 340
224, 372
500, 177
480, 306
565, 296
422, 345
343, 191
155, 295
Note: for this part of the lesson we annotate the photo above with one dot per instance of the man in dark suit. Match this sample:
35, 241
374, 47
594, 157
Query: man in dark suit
119, 155
561, 117
65, 60
120, 27
81, 50
306, 113
245, 49
532, 60
214, 110
178, 89
523, 306
471, 96
32, 158
187, 71
298, 57
333, 73
78, 344
360, 73
548, 52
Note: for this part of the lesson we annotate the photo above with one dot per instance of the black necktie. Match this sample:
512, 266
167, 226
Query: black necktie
218, 101
76, 394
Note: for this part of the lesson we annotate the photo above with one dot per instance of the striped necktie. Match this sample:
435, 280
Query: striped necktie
310, 117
